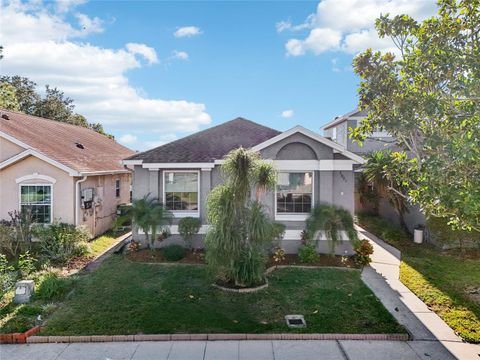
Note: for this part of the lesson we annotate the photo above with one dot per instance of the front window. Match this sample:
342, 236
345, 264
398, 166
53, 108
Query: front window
294, 192
181, 191
37, 198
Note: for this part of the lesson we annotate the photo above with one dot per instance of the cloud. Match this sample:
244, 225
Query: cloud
144, 50
42, 45
88, 24
182, 55
187, 31
348, 25
128, 139
287, 114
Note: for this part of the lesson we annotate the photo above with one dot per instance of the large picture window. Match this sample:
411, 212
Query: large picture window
181, 191
294, 192
38, 198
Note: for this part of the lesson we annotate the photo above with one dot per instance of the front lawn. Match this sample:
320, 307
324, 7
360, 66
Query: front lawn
124, 297
447, 281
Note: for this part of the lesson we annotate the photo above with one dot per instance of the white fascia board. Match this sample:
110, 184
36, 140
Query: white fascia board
300, 129
14, 140
105, 172
209, 165
132, 162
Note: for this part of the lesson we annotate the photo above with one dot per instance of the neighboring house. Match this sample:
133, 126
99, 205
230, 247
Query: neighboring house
311, 169
338, 129
62, 172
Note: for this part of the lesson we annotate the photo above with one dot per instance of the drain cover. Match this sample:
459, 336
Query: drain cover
295, 321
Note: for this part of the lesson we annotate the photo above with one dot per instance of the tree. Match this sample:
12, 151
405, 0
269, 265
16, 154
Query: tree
240, 230
24, 91
55, 105
382, 169
428, 98
8, 99
148, 214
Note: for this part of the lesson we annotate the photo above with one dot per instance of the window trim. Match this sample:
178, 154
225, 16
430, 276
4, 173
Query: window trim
182, 213
119, 188
36, 184
294, 216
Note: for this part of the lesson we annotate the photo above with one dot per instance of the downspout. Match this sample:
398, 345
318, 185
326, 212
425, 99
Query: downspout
77, 199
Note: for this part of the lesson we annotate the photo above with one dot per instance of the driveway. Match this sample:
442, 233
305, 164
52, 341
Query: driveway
226, 350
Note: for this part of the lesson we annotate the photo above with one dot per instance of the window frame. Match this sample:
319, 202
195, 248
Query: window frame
37, 184
118, 189
294, 216
182, 213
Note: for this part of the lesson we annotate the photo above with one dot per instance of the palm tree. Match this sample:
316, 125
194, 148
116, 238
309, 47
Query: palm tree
330, 219
240, 229
380, 171
150, 215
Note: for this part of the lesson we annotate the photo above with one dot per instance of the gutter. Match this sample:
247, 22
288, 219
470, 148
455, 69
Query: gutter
77, 198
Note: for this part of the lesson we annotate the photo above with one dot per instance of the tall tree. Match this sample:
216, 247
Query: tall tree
427, 96
55, 105
8, 99
24, 91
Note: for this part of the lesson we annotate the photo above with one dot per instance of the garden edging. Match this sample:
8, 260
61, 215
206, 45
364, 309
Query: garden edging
19, 338
213, 337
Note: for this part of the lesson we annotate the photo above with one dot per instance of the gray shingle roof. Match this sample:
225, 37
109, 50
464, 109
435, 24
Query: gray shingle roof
210, 144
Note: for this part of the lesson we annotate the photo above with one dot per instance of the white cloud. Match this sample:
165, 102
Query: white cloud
88, 24
128, 139
182, 55
63, 6
348, 25
144, 50
287, 114
41, 45
187, 31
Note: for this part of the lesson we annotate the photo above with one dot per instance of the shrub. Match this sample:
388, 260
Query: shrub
363, 250
51, 287
188, 227
8, 276
307, 254
16, 233
26, 264
60, 242
442, 233
249, 268
173, 252
29, 310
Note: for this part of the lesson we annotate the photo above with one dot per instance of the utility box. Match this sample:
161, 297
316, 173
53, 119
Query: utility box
24, 290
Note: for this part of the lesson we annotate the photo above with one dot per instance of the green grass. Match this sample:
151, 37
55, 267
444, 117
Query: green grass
102, 243
441, 279
123, 297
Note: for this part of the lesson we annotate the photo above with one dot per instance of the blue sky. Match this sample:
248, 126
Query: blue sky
125, 67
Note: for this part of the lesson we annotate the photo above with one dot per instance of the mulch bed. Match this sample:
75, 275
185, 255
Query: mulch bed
198, 257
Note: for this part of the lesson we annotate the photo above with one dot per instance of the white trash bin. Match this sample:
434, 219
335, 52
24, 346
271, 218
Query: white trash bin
418, 236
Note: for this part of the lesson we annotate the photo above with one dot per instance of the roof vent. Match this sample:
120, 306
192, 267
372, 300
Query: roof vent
80, 146
5, 116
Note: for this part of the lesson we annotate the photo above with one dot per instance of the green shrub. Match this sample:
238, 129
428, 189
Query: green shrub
173, 252
442, 233
29, 310
51, 287
188, 227
8, 276
60, 242
307, 254
250, 268
26, 264
363, 250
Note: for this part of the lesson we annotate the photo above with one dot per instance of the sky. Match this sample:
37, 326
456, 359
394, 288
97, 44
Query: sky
154, 71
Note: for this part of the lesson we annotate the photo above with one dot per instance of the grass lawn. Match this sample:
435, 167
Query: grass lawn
124, 297
102, 243
442, 279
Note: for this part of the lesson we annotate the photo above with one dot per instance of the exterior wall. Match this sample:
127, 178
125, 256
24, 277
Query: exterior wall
334, 187
62, 189
99, 218
8, 149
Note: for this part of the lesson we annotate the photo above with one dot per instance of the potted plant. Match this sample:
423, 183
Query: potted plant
418, 234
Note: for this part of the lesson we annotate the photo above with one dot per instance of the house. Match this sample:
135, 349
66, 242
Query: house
311, 169
62, 172
337, 130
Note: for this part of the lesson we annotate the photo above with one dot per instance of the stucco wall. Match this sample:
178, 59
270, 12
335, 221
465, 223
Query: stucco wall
8, 149
62, 190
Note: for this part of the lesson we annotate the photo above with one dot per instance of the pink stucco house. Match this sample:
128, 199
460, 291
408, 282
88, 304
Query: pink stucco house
62, 172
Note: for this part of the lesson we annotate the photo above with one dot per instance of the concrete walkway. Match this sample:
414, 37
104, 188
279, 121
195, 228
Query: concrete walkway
422, 323
227, 350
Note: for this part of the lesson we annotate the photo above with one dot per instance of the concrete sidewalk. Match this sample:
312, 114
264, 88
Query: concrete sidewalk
226, 350
422, 323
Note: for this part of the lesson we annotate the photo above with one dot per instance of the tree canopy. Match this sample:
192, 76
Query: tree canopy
427, 96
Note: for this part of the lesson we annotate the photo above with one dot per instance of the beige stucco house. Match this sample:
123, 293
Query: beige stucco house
61, 171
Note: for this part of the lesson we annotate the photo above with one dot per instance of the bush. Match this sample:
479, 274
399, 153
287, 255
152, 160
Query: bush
363, 250
16, 233
250, 268
26, 264
441, 233
188, 227
51, 287
60, 242
8, 276
173, 252
307, 254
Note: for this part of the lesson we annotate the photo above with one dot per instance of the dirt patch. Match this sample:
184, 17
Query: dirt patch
155, 256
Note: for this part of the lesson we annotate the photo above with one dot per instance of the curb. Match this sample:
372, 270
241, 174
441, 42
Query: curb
213, 337
18, 338
242, 290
